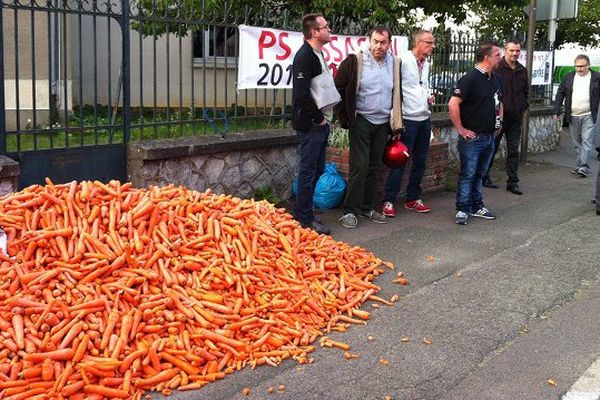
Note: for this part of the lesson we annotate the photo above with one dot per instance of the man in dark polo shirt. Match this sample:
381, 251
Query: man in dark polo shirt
476, 113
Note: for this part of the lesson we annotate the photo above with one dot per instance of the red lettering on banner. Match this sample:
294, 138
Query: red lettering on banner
284, 46
361, 40
348, 45
264, 44
333, 69
339, 56
326, 54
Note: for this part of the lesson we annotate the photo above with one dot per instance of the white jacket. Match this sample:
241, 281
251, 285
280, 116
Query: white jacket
415, 89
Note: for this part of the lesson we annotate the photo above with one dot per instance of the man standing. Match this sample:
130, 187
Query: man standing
310, 122
580, 91
416, 101
369, 84
515, 101
476, 113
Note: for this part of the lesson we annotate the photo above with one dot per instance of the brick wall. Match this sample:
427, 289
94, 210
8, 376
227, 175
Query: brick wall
435, 174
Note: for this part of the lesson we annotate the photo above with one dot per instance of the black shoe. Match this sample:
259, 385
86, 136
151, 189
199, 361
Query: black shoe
597, 211
489, 183
514, 188
320, 228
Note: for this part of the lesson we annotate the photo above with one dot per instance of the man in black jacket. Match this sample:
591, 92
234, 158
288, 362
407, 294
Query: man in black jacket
515, 101
311, 123
580, 90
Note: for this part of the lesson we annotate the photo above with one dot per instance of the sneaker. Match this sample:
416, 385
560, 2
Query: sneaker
462, 218
483, 213
574, 171
320, 228
349, 221
375, 216
417, 205
388, 209
582, 172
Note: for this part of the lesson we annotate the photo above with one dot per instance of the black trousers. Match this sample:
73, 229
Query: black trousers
511, 130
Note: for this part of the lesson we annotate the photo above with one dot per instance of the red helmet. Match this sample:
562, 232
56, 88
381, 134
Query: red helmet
396, 154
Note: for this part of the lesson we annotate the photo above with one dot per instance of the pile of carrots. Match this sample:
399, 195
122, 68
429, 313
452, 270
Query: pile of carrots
108, 290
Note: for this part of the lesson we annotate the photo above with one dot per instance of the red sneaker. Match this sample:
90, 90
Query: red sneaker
388, 209
417, 205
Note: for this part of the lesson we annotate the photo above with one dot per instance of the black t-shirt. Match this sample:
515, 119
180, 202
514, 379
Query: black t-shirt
481, 95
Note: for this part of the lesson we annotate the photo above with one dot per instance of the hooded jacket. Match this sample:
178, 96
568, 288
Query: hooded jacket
347, 82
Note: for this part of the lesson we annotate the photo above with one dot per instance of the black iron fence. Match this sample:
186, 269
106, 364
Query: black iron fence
455, 55
87, 73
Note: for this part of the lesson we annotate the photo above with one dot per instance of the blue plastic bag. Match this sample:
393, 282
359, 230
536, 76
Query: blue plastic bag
329, 190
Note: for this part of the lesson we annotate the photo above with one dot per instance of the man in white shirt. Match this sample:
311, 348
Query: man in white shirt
580, 91
416, 102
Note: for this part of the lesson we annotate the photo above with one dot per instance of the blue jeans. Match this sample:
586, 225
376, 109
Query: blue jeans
416, 137
475, 155
313, 144
582, 134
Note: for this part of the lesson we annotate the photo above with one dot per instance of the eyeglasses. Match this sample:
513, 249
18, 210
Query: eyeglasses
326, 27
582, 66
428, 41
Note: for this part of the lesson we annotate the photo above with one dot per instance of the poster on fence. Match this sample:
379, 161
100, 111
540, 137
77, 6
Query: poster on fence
541, 70
266, 55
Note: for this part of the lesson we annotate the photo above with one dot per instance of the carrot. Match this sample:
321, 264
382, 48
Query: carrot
122, 289
59, 355
105, 391
179, 363
17, 324
162, 376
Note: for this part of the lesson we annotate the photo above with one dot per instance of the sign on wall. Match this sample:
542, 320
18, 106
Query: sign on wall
266, 55
541, 70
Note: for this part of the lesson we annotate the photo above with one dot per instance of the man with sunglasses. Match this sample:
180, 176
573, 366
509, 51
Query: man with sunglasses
580, 91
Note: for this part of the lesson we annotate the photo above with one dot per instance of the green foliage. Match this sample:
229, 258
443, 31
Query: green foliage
339, 138
502, 22
500, 19
266, 193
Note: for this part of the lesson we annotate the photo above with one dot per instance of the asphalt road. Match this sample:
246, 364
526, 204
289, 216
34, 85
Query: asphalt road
508, 307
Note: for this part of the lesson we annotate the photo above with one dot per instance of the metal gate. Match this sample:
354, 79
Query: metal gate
52, 88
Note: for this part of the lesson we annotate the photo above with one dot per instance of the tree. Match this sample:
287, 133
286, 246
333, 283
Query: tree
156, 17
500, 23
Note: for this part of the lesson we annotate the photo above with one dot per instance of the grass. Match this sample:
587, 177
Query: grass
88, 126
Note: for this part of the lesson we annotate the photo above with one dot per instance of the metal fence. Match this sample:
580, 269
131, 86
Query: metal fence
454, 56
87, 73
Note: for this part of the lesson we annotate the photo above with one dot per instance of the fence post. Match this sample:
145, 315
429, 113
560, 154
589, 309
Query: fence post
2, 103
126, 70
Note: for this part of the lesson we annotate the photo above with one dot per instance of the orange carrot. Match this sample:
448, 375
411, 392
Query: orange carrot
105, 391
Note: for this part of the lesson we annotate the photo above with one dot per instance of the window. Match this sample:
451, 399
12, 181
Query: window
215, 42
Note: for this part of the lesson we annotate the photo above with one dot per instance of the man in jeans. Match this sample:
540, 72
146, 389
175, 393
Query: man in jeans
580, 90
311, 123
369, 84
416, 101
515, 101
476, 113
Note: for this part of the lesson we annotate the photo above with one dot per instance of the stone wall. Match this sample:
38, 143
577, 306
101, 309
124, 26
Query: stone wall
544, 133
9, 175
238, 164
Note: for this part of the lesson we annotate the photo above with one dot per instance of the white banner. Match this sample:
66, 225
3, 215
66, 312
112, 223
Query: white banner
266, 55
541, 70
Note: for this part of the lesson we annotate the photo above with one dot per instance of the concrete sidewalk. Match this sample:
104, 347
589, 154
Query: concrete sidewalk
506, 305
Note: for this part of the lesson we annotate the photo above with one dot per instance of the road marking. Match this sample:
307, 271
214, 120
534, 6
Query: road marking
587, 386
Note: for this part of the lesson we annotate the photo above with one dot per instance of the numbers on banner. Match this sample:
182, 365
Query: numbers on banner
274, 74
